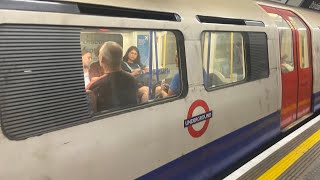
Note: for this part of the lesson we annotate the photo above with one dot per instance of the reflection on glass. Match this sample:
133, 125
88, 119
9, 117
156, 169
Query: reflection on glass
303, 47
147, 58
223, 58
286, 50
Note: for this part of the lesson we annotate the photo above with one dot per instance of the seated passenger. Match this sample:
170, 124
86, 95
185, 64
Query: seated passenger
174, 88
86, 61
285, 67
237, 68
131, 64
115, 89
95, 73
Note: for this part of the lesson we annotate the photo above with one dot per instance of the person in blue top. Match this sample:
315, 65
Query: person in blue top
174, 87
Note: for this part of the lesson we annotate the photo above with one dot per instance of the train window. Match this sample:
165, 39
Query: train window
233, 57
303, 47
223, 58
55, 79
149, 63
286, 49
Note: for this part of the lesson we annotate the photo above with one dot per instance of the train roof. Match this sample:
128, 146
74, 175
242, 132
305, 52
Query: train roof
187, 9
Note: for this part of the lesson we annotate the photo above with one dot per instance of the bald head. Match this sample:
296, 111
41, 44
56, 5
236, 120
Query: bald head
110, 56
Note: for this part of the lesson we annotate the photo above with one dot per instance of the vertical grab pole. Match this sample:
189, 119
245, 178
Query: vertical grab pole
231, 56
156, 51
208, 60
150, 64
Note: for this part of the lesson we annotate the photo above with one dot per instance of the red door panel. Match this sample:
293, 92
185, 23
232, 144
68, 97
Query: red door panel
296, 84
303, 55
289, 79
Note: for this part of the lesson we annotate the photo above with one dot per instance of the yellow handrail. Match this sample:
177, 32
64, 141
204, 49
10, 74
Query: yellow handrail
164, 50
242, 64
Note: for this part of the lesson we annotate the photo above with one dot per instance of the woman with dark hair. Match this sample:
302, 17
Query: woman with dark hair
132, 64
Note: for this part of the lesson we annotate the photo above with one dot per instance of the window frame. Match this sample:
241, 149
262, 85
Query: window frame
292, 41
245, 37
245, 45
182, 72
298, 34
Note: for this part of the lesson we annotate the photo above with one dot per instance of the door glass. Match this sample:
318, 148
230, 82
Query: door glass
285, 36
303, 41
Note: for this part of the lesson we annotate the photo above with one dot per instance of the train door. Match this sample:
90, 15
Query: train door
304, 66
296, 70
289, 73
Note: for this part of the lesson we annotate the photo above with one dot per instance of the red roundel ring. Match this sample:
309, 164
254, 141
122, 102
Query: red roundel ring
194, 105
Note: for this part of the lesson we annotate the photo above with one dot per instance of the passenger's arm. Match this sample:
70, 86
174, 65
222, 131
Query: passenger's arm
288, 67
136, 72
160, 90
146, 69
92, 100
170, 92
165, 94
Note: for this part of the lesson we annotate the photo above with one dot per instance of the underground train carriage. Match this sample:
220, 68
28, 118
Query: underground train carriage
238, 73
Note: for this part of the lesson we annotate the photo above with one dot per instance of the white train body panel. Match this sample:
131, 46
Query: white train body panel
132, 144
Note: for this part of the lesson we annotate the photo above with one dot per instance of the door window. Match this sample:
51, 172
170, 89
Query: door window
285, 38
303, 47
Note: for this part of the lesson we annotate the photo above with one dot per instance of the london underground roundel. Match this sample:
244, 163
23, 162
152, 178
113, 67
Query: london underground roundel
194, 119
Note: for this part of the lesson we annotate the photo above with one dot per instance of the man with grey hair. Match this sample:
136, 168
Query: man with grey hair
116, 88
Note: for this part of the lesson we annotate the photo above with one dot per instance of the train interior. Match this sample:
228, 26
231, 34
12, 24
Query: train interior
157, 52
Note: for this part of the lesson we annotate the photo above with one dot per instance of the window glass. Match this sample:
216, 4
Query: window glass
223, 58
286, 49
124, 68
303, 47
